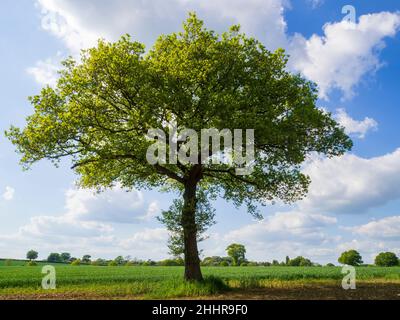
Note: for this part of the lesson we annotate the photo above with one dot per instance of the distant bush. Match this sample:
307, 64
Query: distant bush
244, 264
330, 265
171, 263
252, 264
99, 263
113, 263
224, 264
300, 262
54, 258
76, 262
386, 259
216, 261
149, 263
129, 264
31, 264
8, 263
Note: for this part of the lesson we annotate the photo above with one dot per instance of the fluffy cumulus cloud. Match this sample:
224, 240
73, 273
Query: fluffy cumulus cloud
345, 53
79, 24
45, 72
50, 227
387, 228
284, 225
357, 128
114, 205
284, 233
8, 194
352, 184
59, 234
338, 59
93, 220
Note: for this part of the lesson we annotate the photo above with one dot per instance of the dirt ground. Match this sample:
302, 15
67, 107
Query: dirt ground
363, 292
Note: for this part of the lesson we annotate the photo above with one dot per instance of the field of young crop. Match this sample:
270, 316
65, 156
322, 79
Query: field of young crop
165, 282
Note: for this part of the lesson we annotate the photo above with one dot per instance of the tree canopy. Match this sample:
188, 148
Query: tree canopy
32, 255
351, 258
387, 259
237, 252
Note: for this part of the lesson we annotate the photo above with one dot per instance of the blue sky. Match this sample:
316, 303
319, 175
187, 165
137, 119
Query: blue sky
353, 201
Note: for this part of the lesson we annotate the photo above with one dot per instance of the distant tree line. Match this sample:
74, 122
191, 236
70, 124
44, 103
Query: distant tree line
236, 256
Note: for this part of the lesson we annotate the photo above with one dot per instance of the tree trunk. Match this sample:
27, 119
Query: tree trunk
192, 260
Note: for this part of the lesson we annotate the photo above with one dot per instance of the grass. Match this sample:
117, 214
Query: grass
166, 282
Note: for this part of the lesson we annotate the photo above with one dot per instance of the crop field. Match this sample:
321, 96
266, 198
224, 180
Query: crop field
92, 282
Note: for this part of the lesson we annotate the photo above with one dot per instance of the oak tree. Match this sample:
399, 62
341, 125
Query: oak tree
103, 106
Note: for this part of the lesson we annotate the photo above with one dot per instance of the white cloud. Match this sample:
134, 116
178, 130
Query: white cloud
285, 227
351, 184
115, 205
338, 59
290, 233
316, 3
79, 24
89, 226
45, 72
285, 224
385, 228
8, 195
263, 19
63, 226
355, 127
147, 240
345, 53
59, 234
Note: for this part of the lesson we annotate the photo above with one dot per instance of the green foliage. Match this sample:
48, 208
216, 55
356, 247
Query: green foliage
86, 259
224, 264
32, 255
120, 260
216, 261
113, 263
237, 252
31, 263
8, 263
99, 262
252, 264
54, 258
351, 258
330, 265
171, 262
300, 262
387, 259
102, 107
149, 263
275, 263
76, 262
65, 257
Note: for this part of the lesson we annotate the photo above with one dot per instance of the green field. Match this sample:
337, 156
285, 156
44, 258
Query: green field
165, 282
